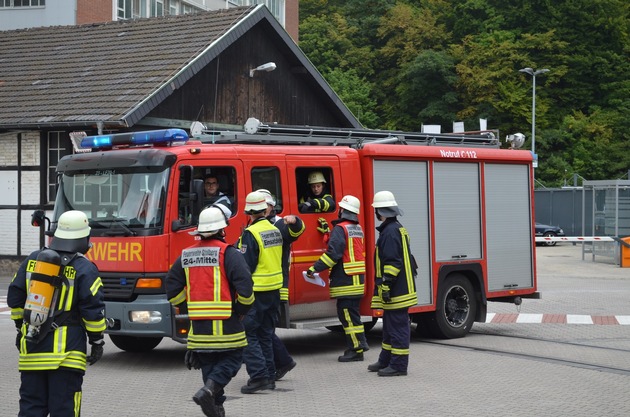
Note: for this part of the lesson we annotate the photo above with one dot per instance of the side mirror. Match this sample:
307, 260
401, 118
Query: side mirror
38, 218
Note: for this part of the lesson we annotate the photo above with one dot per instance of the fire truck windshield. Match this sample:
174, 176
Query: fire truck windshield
127, 201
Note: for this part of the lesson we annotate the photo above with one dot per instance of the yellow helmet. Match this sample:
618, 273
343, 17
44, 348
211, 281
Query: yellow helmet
316, 177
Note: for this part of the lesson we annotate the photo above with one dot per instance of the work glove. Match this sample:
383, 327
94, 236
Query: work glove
323, 226
192, 360
18, 339
310, 272
384, 293
96, 351
305, 206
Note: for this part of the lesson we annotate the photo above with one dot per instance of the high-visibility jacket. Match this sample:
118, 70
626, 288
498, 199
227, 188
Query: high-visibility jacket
394, 264
290, 233
261, 244
213, 282
81, 301
346, 244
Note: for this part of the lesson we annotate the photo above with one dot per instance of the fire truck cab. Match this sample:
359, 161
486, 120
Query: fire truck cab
467, 205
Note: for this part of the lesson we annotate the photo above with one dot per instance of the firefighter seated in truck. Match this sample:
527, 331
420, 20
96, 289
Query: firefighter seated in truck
318, 199
215, 197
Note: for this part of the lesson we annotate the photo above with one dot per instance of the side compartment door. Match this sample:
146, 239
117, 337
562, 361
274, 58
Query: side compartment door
508, 227
408, 180
457, 211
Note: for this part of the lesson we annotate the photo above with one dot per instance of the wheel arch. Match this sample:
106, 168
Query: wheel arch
474, 273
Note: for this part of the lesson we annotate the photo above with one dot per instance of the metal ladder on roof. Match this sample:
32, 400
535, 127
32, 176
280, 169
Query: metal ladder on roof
257, 132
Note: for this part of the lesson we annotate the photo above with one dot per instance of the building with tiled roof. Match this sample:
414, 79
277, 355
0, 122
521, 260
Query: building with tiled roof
137, 75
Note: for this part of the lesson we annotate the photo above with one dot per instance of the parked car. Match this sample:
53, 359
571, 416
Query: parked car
546, 230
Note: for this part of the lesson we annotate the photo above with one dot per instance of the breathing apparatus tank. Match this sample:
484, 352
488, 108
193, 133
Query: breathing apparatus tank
42, 294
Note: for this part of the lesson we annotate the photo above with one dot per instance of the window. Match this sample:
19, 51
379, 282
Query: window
58, 146
157, 8
268, 178
124, 9
315, 185
22, 3
218, 185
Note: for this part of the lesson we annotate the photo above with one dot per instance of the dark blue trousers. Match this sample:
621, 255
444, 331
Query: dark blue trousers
220, 367
396, 339
260, 324
348, 314
57, 393
281, 356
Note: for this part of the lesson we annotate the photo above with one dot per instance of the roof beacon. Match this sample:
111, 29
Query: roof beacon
151, 137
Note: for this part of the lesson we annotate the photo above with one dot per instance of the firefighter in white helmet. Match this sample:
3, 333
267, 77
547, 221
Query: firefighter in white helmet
291, 227
318, 199
52, 323
261, 245
345, 257
211, 281
395, 289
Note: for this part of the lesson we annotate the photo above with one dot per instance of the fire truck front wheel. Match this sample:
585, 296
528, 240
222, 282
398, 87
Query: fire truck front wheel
135, 344
456, 308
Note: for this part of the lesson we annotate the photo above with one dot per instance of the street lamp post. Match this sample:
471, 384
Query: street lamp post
533, 73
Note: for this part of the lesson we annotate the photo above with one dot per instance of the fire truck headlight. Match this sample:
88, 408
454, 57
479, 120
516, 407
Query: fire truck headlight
147, 317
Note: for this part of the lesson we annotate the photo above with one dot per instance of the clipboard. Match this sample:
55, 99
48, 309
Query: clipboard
316, 280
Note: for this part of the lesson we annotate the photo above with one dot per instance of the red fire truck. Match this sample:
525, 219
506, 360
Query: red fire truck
467, 205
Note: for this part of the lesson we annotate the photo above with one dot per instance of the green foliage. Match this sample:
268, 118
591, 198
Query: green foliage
399, 64
355, 91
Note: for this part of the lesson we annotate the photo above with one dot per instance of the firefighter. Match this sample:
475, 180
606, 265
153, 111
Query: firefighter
345, 256
214, 196
211, 281
53, 352
261, 245
318, 200
395, 288
291, 227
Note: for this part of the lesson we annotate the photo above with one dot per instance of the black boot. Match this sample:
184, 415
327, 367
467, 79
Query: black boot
376, 366
258, 384
389, 371
351, 356
206, 399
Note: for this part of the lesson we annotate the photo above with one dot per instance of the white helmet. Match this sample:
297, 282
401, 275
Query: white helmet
350, 203
211, 220
268, 197
255, 202
72, 224
386, 204
72, 233
316, 177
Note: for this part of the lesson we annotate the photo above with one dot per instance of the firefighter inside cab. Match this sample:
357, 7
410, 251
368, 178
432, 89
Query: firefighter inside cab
57, 304
318, 199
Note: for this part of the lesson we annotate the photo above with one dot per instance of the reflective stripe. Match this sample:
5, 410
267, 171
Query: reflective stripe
179, 298
209, 310
400, 352
217, 341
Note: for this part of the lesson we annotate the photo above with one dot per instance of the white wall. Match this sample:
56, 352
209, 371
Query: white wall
55, 13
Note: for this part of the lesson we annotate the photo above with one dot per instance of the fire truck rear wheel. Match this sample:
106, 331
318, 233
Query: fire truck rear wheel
135, 344
456, 308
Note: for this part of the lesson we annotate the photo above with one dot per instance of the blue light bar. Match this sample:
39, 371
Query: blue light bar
150, 137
